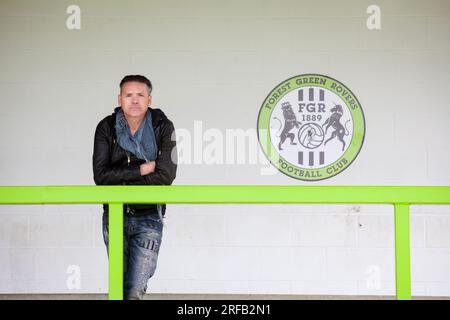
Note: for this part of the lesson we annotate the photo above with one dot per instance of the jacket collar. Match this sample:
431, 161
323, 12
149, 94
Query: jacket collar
157, 115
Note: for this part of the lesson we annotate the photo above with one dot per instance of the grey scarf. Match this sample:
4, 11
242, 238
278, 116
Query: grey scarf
143, 143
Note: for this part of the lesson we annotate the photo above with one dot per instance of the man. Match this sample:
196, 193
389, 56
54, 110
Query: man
135, 146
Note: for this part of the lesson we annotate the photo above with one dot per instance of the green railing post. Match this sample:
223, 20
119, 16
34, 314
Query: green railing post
115, 251
400, 196
402, 252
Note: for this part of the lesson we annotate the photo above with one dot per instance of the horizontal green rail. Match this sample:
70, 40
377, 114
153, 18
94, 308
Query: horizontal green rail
399, 196
223, 194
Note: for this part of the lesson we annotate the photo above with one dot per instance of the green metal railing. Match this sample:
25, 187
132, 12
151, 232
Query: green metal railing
400, 196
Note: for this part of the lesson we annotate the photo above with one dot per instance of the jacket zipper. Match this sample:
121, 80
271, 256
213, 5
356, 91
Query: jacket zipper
128, 163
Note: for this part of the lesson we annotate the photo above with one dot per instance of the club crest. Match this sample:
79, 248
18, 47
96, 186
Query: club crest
311, 127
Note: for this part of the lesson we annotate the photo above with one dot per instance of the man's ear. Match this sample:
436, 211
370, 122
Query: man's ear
149, 100
118, 100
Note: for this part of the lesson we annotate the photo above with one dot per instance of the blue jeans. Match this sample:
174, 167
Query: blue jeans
141, 241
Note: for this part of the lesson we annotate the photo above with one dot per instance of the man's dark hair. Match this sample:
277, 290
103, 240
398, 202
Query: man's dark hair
136, 78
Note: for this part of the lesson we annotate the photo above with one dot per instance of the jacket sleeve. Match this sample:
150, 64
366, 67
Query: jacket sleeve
104, 172
166, 162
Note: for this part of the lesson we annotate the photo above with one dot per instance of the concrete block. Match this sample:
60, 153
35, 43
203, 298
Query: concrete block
48, 8
360, 264
306, 9
169, 34
359, 209
15, 32
9, 133
26, 8
418, 289
16, 286
437, 159
397, 32
226, 68
227, 34
324, 287
312, 34
430, 265
158, 64
437, 289
101, 71
417, 231
324, 230
437, 30
258, 230
99, 10
430, 209
24, 209
59, 286
283, 210
304, 264
61, 230
270, 287
376, 288
64, 263
380, 172
97, 231
73, 209
51, 32
14, 231
376, 231
326, 34
77, 159
437, 231
261, 263
10, 93
198, 286
18, 264
177, 262
196, 9
195, 230
279, 65
415, 7
228, 263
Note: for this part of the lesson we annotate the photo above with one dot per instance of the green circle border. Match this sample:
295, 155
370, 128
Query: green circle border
359, 128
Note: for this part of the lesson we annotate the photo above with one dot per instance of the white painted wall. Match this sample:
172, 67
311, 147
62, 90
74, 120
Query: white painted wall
215, 62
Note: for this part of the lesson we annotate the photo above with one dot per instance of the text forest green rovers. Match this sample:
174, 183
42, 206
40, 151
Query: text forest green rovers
311, 127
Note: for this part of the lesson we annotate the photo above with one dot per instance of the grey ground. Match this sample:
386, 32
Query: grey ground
204, 297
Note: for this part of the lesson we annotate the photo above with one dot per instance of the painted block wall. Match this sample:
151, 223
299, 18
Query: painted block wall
212, 64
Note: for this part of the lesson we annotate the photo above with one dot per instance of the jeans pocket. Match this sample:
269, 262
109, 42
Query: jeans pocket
152, 223
150, 242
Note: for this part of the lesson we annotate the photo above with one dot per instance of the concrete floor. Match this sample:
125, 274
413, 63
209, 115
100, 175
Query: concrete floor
204, 297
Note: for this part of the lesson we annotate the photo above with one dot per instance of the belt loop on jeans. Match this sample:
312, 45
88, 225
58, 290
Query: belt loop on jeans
130, 212
161, 218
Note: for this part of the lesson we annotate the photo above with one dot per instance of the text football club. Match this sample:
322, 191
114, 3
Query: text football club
311, 127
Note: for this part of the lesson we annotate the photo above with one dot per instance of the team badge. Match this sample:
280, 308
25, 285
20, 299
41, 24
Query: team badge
311, 127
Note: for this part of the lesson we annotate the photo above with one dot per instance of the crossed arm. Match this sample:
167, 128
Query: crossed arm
162, 171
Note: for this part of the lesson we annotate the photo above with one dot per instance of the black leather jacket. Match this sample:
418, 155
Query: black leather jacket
113, 165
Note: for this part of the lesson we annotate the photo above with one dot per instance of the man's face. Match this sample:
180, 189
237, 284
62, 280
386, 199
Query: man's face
134, 99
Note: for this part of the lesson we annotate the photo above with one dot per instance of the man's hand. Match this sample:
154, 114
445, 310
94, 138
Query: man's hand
147, 168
